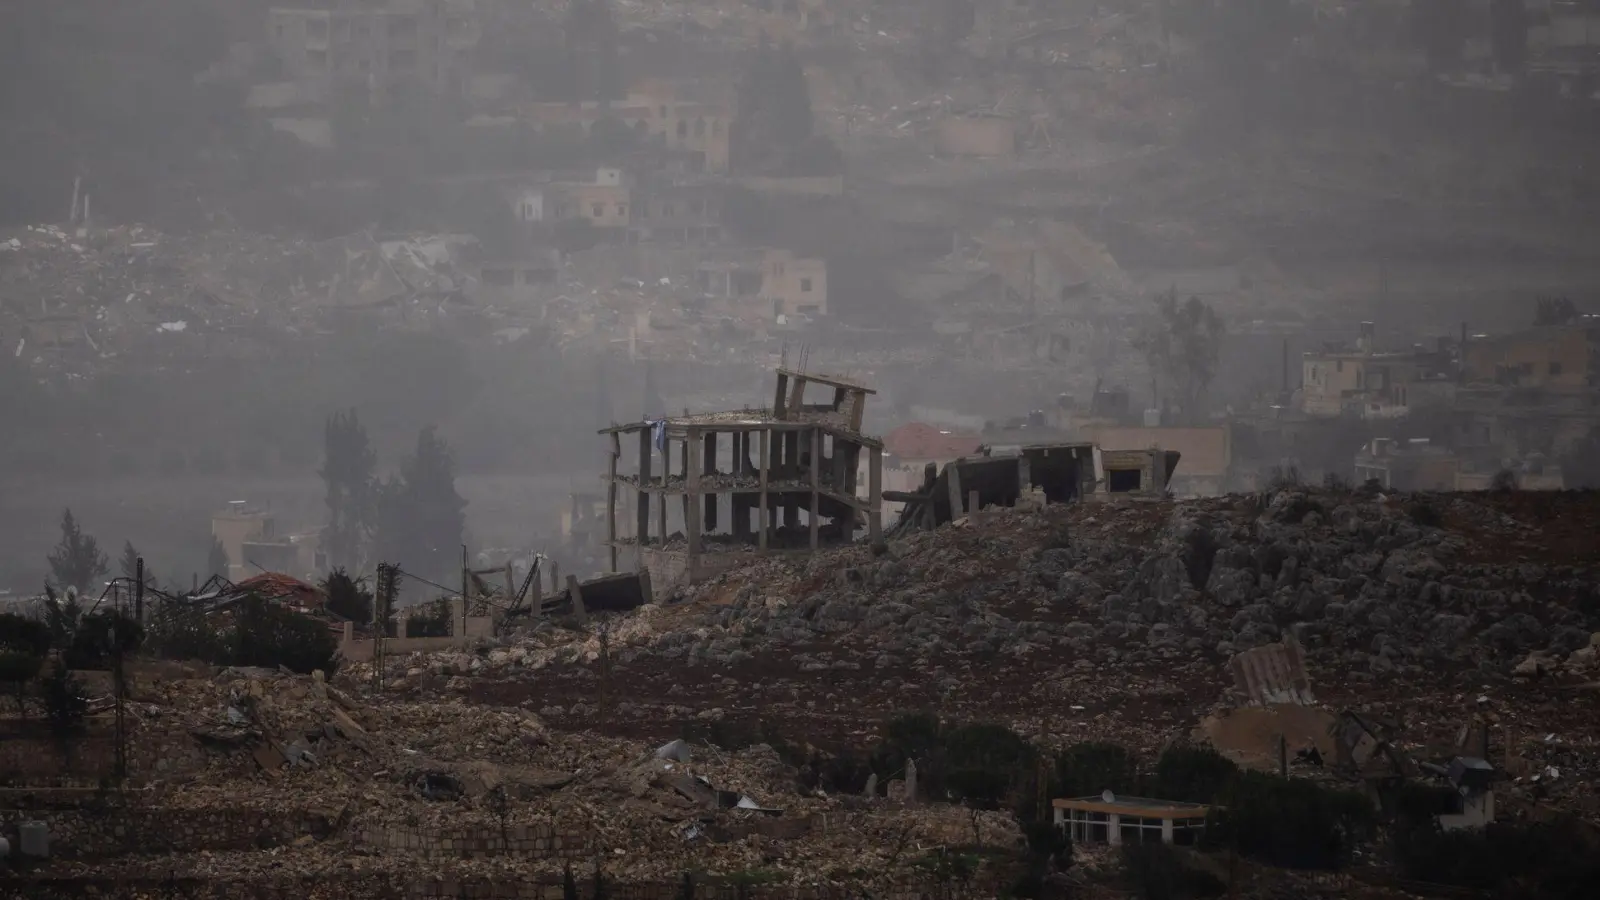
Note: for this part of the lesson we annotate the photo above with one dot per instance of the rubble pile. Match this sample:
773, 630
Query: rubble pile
102, 288
1363, 585
1112, 620
406, 787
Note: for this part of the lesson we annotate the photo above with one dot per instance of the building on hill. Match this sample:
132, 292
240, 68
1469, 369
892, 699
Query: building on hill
717, 490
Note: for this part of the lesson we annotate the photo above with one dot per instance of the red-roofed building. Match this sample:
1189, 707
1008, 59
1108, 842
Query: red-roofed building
285, 589
917, 441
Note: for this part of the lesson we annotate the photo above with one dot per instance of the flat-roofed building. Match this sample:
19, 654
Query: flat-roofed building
1114, 820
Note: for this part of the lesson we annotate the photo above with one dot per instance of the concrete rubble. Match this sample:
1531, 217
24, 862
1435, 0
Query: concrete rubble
1023, 619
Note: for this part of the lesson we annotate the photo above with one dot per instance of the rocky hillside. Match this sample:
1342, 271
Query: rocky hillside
1111, 620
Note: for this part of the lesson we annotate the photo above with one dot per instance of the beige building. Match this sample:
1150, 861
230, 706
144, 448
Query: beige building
605, 202
1557, 358
381, 43
1205, 463
250, 539
978, 136
1361, 381
794, 285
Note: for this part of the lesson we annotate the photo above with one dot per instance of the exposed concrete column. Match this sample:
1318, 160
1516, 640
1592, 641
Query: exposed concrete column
1166, 831
777, 397
691, 494
816, 484
641, 532
1114, 829
791, 472
875, 495
763, 523
952, 477
709, 460
611, 501
797, 394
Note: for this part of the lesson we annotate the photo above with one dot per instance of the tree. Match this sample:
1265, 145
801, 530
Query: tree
593, 63
77, 562
217, 558
24, 644
773, 129
100, 638
569, 884
432, 620
348, 596
423, 517
61, 616
1554, 311
1086, 769
1182, 348
128, 565
64, 700
347, 476
1580, 467
268, 635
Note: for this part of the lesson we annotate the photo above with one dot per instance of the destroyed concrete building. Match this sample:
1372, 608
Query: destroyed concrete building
741, 479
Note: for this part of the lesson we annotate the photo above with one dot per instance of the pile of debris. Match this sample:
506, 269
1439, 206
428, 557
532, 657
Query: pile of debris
401, 782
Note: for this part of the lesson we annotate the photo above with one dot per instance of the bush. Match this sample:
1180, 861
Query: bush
432, 620
1289, 822
978, 764
260, 633
348, 597
24, 644
1158, 872
1192, 774
65, 702
98, 639
1553, 859
1086, 769
266, 634
184, 631
1424, 513
1416, 804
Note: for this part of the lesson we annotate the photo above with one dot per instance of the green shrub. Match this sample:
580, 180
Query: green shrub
1289, 822
431, 620
1192, 774
184, 631
1086, 769
259, 633
98, 638
65, 702
1553, 859
266, 634
1158, 872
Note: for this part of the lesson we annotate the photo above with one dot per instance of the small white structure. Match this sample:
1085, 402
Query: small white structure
1471, 777
1109, 819
528, 204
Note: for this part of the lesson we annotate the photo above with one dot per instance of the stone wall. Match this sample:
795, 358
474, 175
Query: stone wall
445, 887
474, 842
98, 832
32, 754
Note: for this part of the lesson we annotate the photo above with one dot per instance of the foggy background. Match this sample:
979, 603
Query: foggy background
1317, 163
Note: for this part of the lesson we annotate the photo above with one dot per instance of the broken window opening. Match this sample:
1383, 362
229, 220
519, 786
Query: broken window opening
1122, 481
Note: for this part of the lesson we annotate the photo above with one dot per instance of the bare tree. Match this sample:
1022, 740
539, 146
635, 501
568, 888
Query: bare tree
1182, 348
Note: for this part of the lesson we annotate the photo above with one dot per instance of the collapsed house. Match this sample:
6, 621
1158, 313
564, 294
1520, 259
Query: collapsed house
740, 481
1037, 473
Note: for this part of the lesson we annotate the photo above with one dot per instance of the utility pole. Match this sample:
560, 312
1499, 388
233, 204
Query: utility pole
138, 591
466, 576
